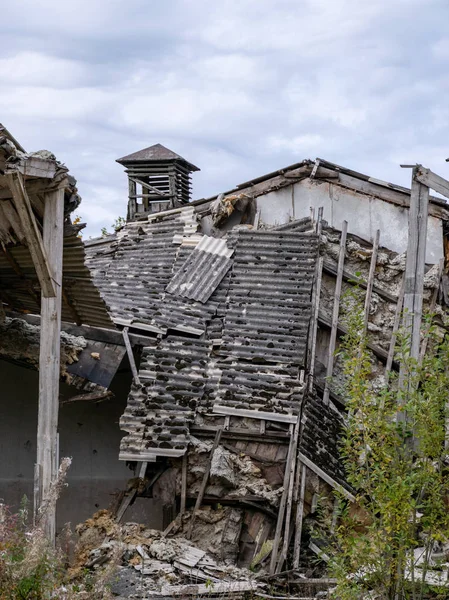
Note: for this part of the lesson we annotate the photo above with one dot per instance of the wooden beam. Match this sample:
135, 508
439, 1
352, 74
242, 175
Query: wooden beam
415, 262
431, 180
129, 351
336, 310
314, 321
183, 484
281, 510
299, 516
50, 347
325, 477
394, 333
288, 513
433, 303
203, 483
32, 234
370, 282
218, 409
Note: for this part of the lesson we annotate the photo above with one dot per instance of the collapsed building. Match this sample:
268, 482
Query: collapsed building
209, 331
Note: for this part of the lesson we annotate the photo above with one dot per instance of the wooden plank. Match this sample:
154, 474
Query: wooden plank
415, 263
50, 347
352, 278
203, 483
299, 516
125, 504
394, 334
288, 512
431, 180
336, 310
129, 351
151, 188
325, 477
143, 469
432, 305
370, 281
314, 322
33, 237
253, 414
282, 505
183, 484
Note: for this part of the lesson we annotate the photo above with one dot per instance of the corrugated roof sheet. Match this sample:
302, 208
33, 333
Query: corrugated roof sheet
270, 292
253, 330
201, 273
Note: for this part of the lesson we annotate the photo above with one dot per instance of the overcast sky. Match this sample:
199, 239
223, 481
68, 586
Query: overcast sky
238, 87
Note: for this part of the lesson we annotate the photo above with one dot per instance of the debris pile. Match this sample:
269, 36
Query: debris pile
149, 564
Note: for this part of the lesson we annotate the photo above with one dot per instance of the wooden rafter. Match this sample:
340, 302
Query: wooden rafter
33, 236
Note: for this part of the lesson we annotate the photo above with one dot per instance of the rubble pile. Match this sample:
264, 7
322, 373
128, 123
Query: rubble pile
149, 564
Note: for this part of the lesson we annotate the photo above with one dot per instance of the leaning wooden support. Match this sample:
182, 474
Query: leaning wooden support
394, 334
281, 510
38, 249
183, 484
433, 303
336, 310
288, 513
203, 483
314, 321
370, 282
130, 354
299, 516
50, 348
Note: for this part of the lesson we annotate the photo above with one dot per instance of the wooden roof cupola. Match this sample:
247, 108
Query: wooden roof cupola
158, 178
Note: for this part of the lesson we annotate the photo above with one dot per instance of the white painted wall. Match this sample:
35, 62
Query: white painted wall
364, 214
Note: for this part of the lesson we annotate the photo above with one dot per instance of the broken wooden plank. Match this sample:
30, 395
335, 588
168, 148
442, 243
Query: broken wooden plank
282, 505
314, 322
336, 310
253, 414
325, 477
203, 483
124, 505
32, 234
431, 180
299, 516
432, 305
394, 334
182, 509
370, 281
129, 351
288, 513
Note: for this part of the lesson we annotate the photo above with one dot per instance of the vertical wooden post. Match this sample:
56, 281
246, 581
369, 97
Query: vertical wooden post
336, 310
299, 517
415, 264
50, 348
370, 282
182, 509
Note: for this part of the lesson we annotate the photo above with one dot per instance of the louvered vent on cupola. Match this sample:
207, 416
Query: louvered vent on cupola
159, 179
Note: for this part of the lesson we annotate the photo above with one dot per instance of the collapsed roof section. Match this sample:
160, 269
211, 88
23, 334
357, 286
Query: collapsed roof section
24, 179
246, 316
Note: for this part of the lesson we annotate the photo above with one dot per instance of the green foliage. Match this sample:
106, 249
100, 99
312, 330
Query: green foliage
393, 449
116, 225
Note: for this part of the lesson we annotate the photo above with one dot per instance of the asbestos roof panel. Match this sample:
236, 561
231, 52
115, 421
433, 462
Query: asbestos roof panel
133, 269
173, 374
81, 299
269, 306
201, 273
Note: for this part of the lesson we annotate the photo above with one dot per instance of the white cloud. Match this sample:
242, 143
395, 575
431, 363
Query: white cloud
239, 87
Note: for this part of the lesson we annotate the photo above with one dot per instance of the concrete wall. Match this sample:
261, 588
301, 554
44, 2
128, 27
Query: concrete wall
365, 214
89, 433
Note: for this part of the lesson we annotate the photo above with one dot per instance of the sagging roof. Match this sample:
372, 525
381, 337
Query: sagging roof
20, 287
237, 346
